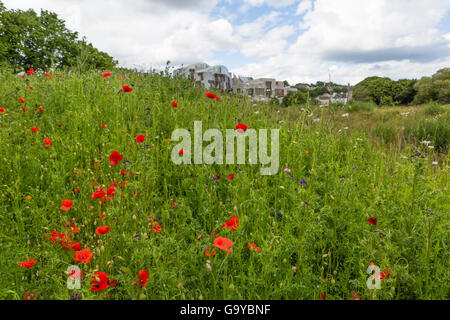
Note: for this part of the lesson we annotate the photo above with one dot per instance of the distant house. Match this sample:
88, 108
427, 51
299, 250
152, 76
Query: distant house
217, 77
324, 98
339, 97
262, 89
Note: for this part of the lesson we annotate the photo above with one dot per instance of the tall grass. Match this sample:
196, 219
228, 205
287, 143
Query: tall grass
314, 237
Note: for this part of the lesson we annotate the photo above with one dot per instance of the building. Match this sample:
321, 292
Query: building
217, 77
262, 89
324, 99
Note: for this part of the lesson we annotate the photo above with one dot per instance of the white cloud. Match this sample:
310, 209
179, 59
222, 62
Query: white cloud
304, 6
356, 38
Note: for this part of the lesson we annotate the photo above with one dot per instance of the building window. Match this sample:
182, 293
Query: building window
250, 91
259, 91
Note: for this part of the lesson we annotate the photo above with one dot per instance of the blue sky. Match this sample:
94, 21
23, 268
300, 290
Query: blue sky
294, 40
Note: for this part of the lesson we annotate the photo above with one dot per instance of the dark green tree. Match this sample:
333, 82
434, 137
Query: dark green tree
374, 89
43, 41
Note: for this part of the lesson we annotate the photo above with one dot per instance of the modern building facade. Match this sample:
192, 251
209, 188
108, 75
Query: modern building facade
217, 77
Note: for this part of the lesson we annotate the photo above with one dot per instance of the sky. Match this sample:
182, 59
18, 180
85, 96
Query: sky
301, 41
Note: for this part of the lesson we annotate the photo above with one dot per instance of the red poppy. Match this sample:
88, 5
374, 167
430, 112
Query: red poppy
322, 296
103, 125
31, 88
76, 246
143, 276
231, 177
210, 95
252, 247
140, 138
212, 253
175, 104
127, 89
223, 243
102, 230
110, 191
60, 125
31, 71
33, 129
48, 75
157, 228
66, 205
372, 221
41, 109
47, 142
84, 256
98, 193
232, 224
181, 151
2, 110
21, 100
115, 157
101, 283
241, 127
106, 74
217, 98
27, 264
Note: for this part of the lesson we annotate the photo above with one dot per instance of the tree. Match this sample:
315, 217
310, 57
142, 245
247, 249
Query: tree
436, 88
374, 89
403, 91
42, 42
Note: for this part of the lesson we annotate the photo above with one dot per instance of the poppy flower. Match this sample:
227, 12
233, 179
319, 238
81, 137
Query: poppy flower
76, 246
106, 74
143, 276
217, 98
66, 205
322, 296
101, 282
140, 138
31, 71
175, 104
232, 224
103, 125
102, 230
223, 244
181, 151
231, 177
127, 89
157, 228
210, 95
48, 75
31, 88
252, 247
241, 127
21, 100
115, 157
84, 256
47, 142
372, 221
33, 129
99, 193
27, 264
2, 110
41, 109
110, 191
212, 253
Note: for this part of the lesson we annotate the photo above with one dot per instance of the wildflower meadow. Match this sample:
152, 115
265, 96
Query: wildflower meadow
93, 207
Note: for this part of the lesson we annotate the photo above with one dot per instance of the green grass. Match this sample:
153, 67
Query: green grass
304, 233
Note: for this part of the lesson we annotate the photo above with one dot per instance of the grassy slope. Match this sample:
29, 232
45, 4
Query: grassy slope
349, 179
